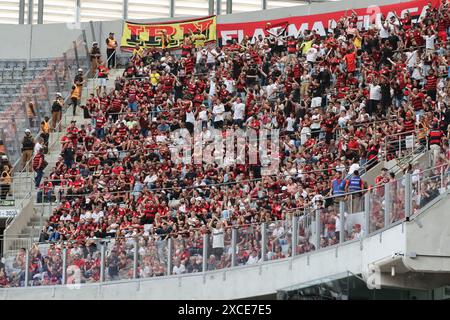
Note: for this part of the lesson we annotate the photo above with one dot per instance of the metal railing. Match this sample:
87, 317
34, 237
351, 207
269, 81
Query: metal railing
310, 228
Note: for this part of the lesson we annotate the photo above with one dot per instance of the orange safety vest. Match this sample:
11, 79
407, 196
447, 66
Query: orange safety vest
111, 43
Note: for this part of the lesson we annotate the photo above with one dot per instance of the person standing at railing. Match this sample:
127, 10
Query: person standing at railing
95, 57
39, 165
27, 150
45, 133
102, 78
57, 111
355, 185
5, 181
75, 95
435, 137
111, 45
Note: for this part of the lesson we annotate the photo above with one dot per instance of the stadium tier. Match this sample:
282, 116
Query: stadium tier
208, 153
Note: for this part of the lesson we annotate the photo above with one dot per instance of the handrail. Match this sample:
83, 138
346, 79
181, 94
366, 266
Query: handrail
155, 241
28, 194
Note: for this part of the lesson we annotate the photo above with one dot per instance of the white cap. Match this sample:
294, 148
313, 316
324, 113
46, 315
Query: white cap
80, 70
58, 94
4, 157
27, 131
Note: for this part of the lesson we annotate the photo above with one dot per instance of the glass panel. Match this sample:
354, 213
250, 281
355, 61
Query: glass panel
152, 257
187, 253
45, 265
248, 245
329, 224
377, 209
279, 239
83, 262
14, 273
119, 257
220, 251
304, 234
429, 187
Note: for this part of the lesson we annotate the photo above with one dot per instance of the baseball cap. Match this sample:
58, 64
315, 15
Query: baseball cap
58, 94
4, 157
80, 70
27, 131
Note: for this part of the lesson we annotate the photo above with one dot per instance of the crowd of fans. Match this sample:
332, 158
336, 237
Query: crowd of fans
335, 100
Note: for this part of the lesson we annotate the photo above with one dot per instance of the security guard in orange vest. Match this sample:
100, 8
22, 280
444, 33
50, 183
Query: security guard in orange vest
111, 45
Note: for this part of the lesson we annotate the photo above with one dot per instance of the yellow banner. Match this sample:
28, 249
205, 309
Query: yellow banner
168, 35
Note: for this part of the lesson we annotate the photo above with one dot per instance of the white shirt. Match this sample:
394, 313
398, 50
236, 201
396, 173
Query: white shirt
66, 218
179, 270
37, 147
311, 55
278, 232
190, 117
384, 30
218, 111
375, 92
239, 110
218, 238
229, 84
411, 58
429, 41
203, 115
353, 167
270, 89
252, 260
315, 121
290, 124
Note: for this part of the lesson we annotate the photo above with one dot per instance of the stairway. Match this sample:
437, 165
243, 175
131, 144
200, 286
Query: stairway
42, 211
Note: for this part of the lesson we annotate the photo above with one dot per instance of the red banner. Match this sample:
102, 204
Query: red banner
320, 22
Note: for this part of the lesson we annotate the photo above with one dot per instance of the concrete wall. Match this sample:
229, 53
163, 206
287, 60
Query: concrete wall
51, 40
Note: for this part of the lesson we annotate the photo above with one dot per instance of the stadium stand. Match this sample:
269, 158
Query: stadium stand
342, 104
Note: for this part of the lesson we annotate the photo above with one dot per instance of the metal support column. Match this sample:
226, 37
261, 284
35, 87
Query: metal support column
294, 235
210, 7
125, 9
21, 11
264, 4
102, 262
318, 229
30, 11
27, 266
341, 221
135, 258
64, 266
58, 84
233, 246
205, 253
169, 256
91, 24
40, 19
218, 7
263, 242
442, 177
387, 204
78, 12
366, 214
76, 54
172, 8
229, 6
408, 195
88, 55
